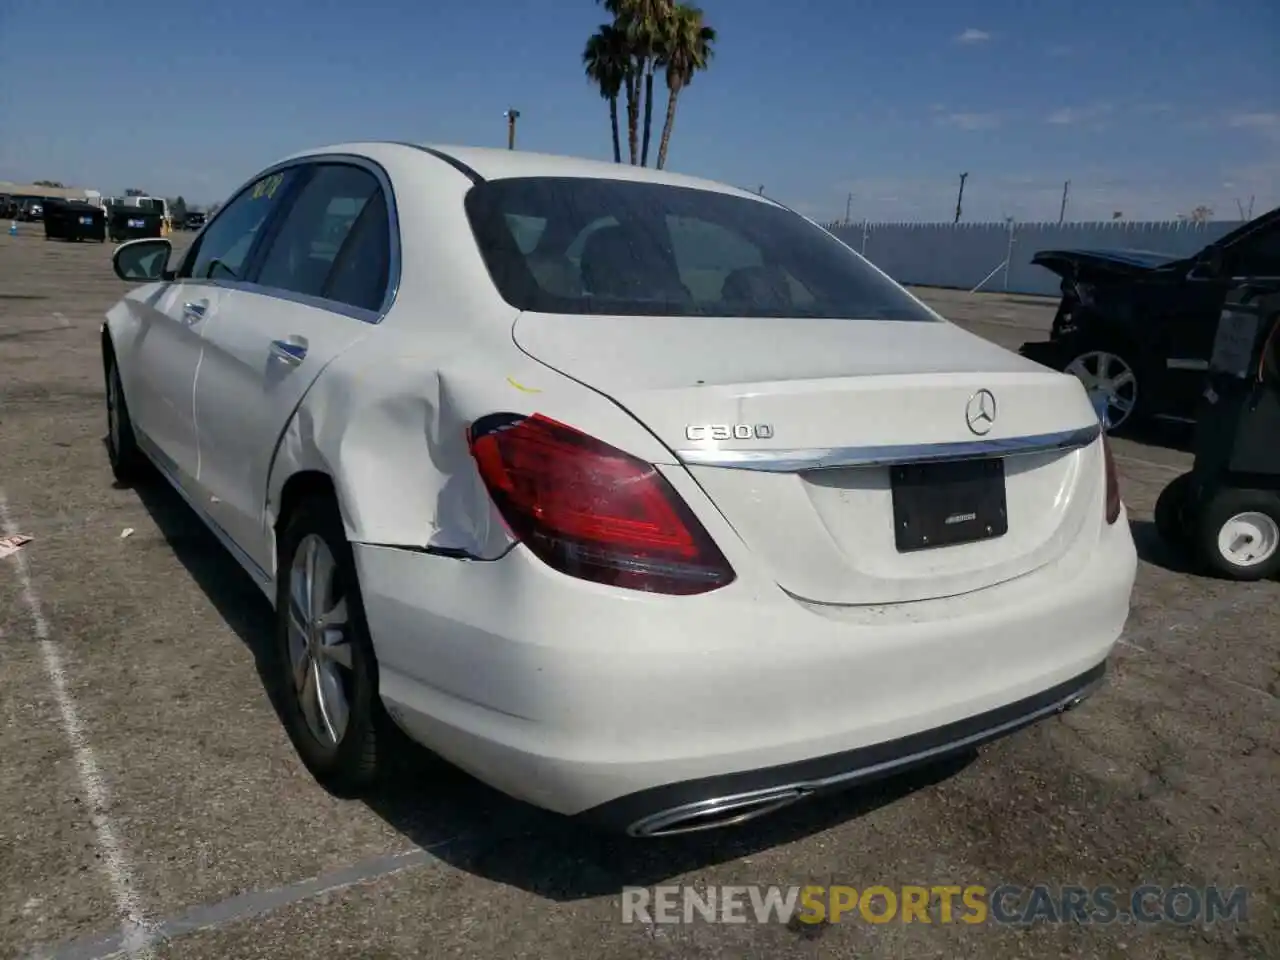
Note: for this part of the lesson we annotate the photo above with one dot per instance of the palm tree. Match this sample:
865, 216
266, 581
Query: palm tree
606, 61
685, 48
642, 22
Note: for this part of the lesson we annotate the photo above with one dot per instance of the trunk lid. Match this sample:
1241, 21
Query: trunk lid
1101, 265
857, 392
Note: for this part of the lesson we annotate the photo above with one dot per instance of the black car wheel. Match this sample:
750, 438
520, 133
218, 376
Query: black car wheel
128, 463
1111, 378
326, 674
1240, 534
1171, 513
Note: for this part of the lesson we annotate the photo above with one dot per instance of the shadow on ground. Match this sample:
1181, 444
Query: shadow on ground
477, 829
1170, 434
1156, 551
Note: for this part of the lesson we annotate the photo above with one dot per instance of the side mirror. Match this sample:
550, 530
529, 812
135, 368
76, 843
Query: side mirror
143, 261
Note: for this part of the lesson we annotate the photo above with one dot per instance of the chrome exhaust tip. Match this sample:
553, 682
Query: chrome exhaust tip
714, 814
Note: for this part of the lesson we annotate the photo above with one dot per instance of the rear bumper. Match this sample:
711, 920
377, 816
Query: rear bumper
584, 699
734, 798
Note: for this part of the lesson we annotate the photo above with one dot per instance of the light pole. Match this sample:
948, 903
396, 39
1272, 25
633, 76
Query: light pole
512, 116
960, 195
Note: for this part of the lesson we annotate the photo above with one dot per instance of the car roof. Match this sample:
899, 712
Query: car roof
1260, 222
490, 163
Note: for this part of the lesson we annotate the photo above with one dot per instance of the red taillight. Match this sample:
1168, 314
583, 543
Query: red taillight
1113, 482
591, 511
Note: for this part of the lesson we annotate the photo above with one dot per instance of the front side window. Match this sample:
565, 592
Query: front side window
319, 223
594, 246
224, 246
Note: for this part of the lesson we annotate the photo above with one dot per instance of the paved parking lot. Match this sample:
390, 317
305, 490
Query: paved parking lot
151, 802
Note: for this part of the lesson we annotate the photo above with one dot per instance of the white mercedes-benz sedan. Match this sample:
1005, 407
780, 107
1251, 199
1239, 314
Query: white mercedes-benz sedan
639, 497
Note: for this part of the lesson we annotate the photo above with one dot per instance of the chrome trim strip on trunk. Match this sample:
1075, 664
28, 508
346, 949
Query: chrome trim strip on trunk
828, 458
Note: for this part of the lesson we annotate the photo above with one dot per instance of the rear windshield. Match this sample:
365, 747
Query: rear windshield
576, 245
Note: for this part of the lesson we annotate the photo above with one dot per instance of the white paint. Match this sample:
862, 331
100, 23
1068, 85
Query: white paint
137, 939
523, 693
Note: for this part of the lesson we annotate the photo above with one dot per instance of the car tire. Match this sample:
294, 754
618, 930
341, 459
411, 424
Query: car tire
128, 463
1170, 514
1239, 534
1086, 363
326, 673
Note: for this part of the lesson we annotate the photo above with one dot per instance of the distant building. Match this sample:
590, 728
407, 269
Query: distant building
62, 193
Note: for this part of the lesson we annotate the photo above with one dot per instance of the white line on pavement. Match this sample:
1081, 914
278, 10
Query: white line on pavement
258, 903
135, 931
1139, 461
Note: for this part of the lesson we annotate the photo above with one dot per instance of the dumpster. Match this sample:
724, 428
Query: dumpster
74, 220
134, 223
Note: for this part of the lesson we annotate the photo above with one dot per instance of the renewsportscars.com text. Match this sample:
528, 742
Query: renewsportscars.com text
938, 904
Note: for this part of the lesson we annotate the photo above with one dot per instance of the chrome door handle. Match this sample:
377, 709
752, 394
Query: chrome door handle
194, 312
289, 351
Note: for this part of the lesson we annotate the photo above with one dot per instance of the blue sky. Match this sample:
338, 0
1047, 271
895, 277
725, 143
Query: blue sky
1149, 108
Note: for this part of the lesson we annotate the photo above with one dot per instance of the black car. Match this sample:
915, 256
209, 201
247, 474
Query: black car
194, 221
31, 209
1137, 328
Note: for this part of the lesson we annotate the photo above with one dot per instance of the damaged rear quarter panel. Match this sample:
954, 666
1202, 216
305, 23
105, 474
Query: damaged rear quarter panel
387, 422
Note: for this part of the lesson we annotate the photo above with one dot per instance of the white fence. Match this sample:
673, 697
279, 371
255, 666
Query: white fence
998, 255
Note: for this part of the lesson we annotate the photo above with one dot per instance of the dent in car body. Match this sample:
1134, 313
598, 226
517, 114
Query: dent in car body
390, 430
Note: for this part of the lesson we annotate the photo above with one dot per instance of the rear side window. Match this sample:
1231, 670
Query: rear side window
362, 269
321, 221
594, 246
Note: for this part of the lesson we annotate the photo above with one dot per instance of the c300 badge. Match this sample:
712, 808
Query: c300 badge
729, 431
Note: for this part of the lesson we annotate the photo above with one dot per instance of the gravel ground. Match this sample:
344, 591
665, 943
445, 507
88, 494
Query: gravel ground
145, 772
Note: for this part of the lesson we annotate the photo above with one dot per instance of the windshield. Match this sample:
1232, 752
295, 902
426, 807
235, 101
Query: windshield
593, 246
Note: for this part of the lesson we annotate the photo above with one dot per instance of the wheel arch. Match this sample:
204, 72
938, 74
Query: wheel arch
302, 486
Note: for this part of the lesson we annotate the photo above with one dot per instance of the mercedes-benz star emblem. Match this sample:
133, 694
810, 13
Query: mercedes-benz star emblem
980, 412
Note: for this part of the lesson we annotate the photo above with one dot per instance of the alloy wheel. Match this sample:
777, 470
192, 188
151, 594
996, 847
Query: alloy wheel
1110, 382
319, 644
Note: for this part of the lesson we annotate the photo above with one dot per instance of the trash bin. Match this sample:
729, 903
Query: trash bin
74, 220
134, 223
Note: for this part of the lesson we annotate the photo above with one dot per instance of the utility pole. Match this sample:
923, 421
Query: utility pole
512, 116
848, 208
960, 195
1062, 211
